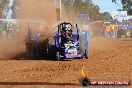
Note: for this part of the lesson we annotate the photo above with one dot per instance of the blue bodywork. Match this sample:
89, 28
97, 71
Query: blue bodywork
64, 50
125, 27
65, 44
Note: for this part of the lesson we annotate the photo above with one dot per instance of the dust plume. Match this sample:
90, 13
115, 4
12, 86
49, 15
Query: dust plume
42, 11
39, 15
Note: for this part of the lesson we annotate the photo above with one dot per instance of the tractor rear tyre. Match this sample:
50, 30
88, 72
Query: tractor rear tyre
51, 49
81, 45
82, 49
29, 48
128, 33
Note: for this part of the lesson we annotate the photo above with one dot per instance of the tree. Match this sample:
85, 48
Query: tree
127, 4
3, 4
87, 7
106, 16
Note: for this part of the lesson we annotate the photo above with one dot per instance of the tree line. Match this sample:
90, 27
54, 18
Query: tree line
127, 5
86, 7
76, 6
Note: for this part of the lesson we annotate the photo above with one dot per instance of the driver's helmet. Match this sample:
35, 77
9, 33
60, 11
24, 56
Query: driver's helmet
66, 27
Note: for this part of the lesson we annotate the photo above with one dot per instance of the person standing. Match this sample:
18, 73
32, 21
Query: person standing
115, 31
112, 30
4, 34
107, 31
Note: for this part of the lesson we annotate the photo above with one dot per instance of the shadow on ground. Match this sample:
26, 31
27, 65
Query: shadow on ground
24, 56
38, 83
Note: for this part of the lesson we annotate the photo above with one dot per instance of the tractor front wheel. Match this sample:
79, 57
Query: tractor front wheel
82, 46
29, 48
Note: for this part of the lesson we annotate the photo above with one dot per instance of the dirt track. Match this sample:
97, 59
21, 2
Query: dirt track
109, 59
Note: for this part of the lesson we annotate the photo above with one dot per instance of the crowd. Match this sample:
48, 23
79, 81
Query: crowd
107, 30
110, 30
8, 30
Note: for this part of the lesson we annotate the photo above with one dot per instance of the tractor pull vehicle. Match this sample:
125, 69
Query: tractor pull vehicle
67, 42
125, 29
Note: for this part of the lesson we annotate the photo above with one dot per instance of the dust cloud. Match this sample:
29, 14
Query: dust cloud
38, 15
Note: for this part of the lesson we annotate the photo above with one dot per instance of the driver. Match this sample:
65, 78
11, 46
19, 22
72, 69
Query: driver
68, 33
67, 30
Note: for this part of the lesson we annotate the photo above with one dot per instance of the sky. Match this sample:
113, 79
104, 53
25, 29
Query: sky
107, 5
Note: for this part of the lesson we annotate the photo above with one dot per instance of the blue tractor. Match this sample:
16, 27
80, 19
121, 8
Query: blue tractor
125, 29
68, 42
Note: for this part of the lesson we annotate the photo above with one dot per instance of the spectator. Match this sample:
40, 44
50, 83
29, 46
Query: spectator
4, 34
107, 31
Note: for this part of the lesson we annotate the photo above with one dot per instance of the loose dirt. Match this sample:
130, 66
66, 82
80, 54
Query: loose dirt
108, 59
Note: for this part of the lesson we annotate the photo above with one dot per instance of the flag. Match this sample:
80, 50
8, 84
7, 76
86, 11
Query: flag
84, 74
